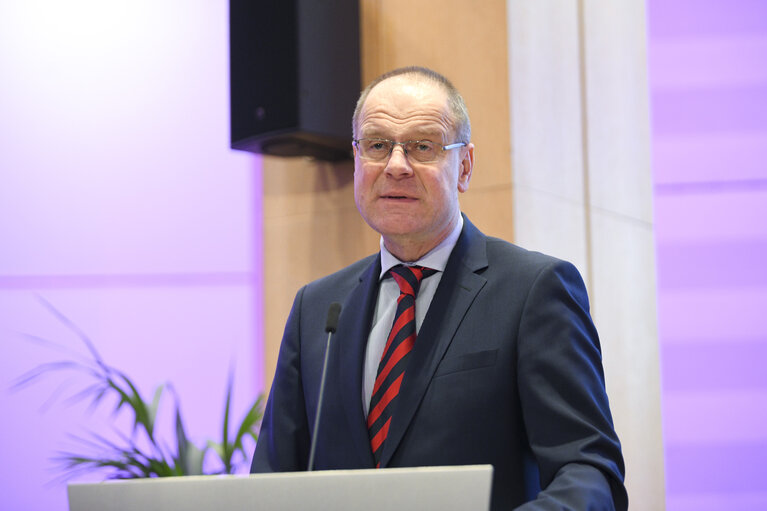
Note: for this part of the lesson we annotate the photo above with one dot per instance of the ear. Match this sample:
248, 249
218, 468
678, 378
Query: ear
466, 167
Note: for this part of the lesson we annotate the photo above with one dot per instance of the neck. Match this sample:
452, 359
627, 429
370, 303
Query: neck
411, 248
409, 253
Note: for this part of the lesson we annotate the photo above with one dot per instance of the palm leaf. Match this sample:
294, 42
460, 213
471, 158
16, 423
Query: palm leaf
125, 457
74, 328
182, 443
226, 448
249, 424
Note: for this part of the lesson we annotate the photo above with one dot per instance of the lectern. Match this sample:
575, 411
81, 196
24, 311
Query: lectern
465, 488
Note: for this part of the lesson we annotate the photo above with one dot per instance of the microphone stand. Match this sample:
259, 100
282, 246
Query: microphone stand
330, 327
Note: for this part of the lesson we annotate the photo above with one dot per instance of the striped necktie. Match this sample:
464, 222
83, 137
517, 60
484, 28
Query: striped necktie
391, 369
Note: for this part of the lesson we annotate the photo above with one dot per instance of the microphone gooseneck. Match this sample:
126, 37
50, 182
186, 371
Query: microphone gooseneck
330, 327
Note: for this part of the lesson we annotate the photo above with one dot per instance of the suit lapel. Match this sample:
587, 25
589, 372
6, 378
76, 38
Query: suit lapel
455, 294
353, 329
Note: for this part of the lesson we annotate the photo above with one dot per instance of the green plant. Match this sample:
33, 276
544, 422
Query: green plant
142, 453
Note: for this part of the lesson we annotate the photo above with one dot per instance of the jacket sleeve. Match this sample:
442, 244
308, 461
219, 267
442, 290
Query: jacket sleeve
283, 442
564, 403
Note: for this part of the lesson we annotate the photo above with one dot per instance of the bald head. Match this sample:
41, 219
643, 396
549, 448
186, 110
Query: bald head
460, 116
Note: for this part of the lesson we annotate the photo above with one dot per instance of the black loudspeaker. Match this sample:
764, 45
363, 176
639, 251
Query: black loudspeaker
295, 76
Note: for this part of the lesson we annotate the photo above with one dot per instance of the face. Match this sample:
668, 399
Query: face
412, 205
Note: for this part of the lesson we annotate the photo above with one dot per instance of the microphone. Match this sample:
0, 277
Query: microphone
330, 327
332, 322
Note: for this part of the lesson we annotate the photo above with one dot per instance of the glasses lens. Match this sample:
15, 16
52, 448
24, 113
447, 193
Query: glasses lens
379, 149
374, 149
422, 151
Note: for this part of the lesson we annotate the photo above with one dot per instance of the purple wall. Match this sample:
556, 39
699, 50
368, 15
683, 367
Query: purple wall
121, 203
708, 80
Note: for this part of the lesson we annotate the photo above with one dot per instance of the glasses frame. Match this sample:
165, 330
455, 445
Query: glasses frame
444, 148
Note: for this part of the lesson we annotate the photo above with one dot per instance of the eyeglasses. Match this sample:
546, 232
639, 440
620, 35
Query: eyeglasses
421, 151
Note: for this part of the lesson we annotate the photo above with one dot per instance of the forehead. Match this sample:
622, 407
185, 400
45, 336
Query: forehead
405, 105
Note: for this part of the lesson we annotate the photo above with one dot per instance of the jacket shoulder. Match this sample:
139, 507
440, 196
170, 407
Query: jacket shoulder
339, 283
499, 250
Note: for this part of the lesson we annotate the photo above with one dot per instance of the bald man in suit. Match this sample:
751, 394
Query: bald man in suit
506, 365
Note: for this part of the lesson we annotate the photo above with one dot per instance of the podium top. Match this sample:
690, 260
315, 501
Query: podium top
402, 489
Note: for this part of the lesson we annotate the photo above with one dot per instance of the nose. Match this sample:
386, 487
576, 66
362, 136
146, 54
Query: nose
398, 165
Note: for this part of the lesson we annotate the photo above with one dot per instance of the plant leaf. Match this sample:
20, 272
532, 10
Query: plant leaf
182, 443
194, 459
249, 424
36, 372
138, 406
133, 455
227, 451
74, 328
152, 411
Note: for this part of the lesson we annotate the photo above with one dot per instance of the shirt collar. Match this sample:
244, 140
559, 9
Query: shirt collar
436, 258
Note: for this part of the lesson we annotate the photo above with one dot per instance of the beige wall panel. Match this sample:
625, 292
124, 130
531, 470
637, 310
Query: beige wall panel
623, 255
550, 224
582, 191
624, 312
492, 206
545, 100
469, 50
546, 120
618, 108
303, 185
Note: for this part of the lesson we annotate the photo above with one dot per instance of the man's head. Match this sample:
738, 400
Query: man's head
460, 113
411, 203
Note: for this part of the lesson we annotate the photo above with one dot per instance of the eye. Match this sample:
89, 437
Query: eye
423, 146
375, 146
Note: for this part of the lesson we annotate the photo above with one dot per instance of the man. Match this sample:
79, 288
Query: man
499, 362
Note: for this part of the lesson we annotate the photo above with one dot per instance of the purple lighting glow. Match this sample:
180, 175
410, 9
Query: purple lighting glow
709, 109
122, 205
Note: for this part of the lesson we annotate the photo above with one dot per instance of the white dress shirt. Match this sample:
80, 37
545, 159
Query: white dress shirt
386, 304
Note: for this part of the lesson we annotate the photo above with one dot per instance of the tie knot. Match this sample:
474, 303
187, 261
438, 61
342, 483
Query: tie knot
409, 277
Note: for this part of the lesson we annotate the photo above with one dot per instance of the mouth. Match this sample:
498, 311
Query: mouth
394, 196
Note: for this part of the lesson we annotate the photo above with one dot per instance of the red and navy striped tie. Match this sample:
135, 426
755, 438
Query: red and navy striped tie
391, 369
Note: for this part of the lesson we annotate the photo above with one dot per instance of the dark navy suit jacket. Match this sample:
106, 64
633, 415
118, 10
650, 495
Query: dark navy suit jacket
506, 370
